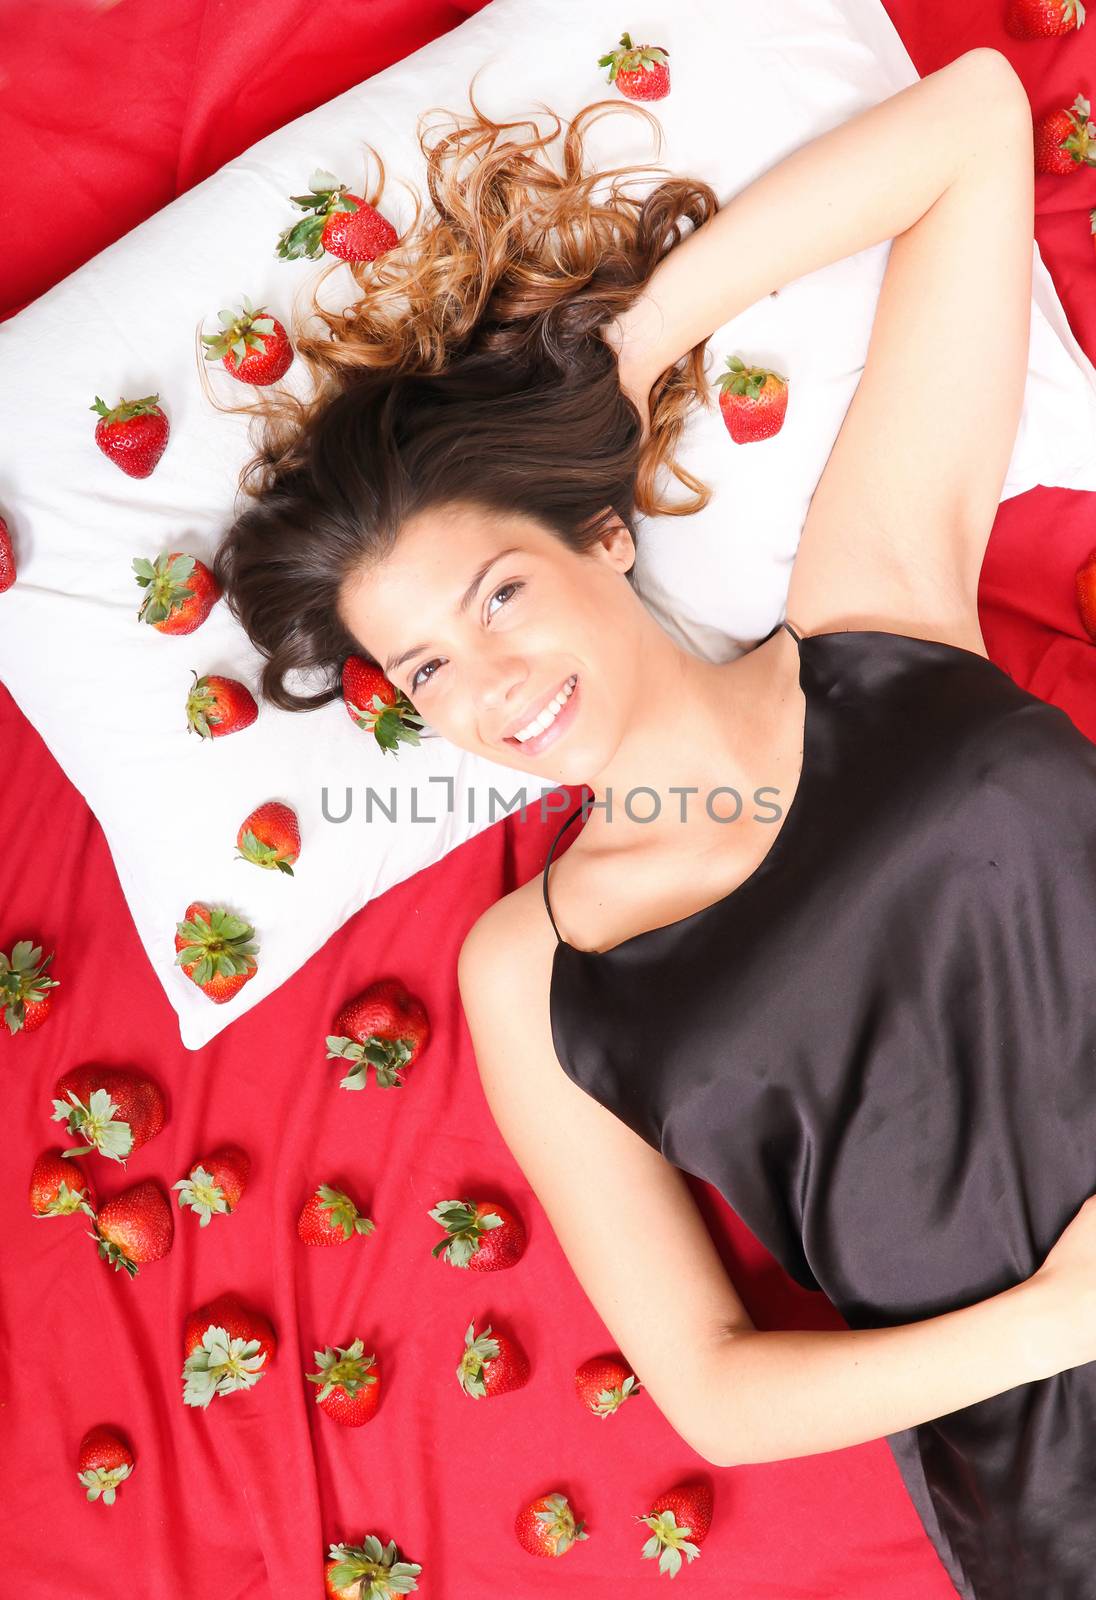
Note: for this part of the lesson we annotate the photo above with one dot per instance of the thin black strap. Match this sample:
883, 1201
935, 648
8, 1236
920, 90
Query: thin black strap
796, 636
547, 864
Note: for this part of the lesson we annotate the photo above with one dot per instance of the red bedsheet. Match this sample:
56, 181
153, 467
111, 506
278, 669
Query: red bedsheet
112, 113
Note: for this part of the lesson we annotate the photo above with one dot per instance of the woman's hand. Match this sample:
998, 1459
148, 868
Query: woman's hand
1066, 1287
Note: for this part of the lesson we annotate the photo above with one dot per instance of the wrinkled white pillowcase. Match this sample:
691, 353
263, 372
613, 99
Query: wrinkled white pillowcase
107, 693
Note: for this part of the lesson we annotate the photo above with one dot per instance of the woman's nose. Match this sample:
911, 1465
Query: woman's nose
498, 681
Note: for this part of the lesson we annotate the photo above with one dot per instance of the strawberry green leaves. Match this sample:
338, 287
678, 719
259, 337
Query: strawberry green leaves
668, 1542
386, 1056
200, 1191
463, 1227
376, 1568
96, 1121
338, 1213
340, 223
241, 331
219, 944
221, 1365
340, 1368
166, 582
631, 57
104, 1481
304, 238
65, 1202
22, 982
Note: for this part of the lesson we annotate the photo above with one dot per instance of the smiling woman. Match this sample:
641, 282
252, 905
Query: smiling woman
474, 371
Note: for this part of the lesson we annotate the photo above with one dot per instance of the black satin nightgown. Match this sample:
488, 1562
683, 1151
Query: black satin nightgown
881, 1049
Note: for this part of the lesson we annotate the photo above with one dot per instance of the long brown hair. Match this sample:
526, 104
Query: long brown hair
470, 369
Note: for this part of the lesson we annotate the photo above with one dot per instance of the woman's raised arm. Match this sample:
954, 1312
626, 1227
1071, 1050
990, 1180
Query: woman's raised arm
866, 180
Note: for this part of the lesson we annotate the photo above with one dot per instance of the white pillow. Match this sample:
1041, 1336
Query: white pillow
107, 693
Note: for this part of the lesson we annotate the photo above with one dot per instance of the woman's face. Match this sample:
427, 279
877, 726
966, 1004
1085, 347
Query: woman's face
483, 619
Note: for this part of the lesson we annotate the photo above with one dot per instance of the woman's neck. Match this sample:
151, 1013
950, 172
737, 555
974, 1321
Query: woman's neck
699, 734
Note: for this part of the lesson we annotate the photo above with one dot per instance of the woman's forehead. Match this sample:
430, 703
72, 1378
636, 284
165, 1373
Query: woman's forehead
433, 572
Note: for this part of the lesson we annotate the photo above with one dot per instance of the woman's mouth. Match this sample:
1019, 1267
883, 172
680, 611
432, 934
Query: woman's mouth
551, 724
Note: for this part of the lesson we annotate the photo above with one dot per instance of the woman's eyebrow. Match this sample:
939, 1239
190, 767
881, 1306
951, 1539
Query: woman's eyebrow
462, 606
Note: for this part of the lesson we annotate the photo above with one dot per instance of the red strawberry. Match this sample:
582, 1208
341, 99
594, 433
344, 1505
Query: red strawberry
482, 1234
350, 1385
679, 1521
753, 401
640, 71
377, 706
132, 434
112, 1110
1086, 583
252, 345
226, 1346
337, 221
491, 1365
35, 1013
547, 1526
25, 993
1043, 19
368, 1571
385, 1027
7, 558
216, 706
216, 949
180, 592
270, 836
59, 1187
330, 1217
104, 1461
216, 1182
604, 1383
135, 1226
1065, 141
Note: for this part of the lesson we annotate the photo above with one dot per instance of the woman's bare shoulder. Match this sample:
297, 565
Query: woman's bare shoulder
512, 941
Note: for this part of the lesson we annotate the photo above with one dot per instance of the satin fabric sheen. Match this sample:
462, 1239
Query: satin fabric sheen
881, 1049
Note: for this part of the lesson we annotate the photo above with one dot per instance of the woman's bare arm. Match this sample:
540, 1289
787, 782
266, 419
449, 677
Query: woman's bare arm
777, 1394
896, 531
862, 182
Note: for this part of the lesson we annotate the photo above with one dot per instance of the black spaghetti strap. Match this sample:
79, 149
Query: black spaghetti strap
798, 637
548, 863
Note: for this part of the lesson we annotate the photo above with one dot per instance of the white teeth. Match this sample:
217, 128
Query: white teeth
549, 714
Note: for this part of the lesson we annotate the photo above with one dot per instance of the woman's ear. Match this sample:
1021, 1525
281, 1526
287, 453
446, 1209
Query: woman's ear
614, 539
619, 544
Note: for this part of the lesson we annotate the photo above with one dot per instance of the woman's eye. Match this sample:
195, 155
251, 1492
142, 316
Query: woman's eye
415, 685
503, 590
